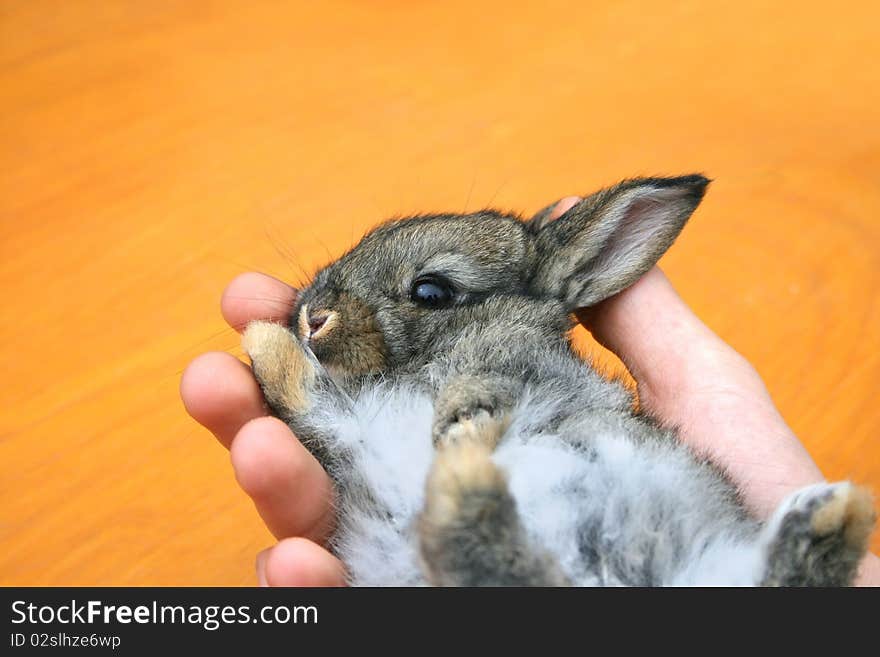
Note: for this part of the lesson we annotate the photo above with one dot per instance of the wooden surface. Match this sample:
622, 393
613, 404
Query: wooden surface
152, 150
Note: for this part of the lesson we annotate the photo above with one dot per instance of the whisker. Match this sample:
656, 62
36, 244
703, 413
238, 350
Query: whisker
498, 191
290, 303
284, 249
324, 246
188, 352
242, 266
470, 191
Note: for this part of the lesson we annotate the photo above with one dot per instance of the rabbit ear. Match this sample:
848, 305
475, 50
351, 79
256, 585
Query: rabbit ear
608, 240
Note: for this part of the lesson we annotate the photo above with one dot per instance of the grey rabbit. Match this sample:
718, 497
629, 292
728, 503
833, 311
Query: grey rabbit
430, 371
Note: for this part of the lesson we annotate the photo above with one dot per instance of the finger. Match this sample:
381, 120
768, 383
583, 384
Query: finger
261, 567
869, 571
666, 348
221, 394
564, 206
292, 492
253, 296
300, 562
690, 378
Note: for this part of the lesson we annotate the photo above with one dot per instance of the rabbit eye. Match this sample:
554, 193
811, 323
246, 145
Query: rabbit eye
431, 292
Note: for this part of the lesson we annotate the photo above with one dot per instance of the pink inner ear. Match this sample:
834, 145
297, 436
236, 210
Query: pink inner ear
640, 231
642, 220
604, 243
642, 234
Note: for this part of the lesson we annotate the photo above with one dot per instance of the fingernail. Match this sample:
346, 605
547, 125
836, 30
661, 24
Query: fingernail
261, 567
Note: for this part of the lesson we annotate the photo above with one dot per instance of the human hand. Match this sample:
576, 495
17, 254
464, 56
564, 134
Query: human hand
688, 377
289, 488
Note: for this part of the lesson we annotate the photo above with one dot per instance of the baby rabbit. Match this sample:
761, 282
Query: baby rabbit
429, 370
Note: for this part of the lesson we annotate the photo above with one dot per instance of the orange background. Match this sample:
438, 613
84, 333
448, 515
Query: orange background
152, 150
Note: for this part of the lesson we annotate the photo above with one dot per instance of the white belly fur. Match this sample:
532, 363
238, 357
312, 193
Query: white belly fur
389, 436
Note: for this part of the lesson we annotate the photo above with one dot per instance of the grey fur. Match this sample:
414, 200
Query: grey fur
506, 388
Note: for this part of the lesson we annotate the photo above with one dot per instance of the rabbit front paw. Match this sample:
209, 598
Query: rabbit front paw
471, 408
280, 366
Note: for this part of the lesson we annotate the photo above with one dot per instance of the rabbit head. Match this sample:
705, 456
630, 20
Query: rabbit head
378, 305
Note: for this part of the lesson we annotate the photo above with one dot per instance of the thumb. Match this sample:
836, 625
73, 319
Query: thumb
690, 378
665, 347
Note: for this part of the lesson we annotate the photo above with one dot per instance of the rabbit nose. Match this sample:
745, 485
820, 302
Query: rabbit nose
315, 324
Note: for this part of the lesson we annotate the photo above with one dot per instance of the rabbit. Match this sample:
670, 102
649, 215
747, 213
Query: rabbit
430, 371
